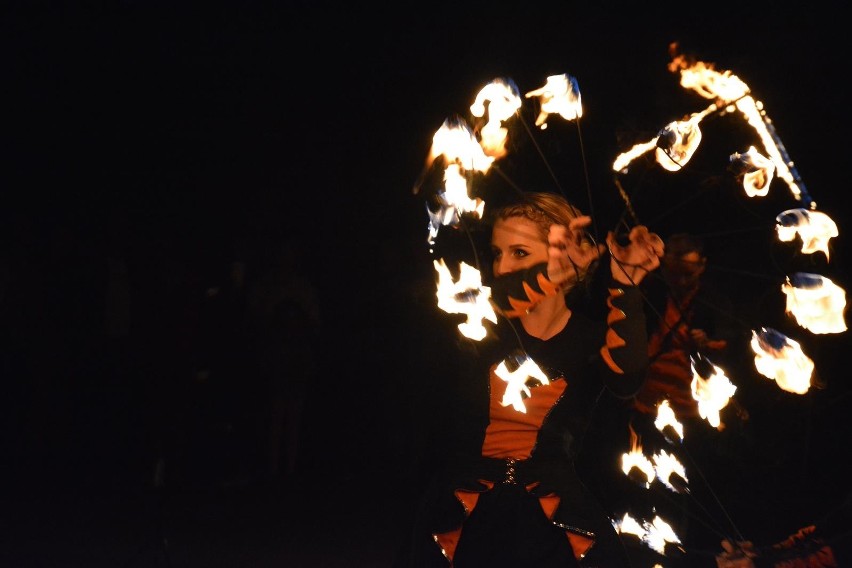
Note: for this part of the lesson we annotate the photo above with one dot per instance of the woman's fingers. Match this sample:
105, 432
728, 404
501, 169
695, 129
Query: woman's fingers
641, 244
580, 223
640, 235
639, 256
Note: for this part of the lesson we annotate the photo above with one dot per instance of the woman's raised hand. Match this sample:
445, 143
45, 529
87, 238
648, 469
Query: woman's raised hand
570, 252
631, 262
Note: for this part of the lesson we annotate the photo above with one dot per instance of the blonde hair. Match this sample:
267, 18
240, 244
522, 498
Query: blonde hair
543, 209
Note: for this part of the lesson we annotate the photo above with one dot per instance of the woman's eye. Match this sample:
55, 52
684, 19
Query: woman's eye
520, 253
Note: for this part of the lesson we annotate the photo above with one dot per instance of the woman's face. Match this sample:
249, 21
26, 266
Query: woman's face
516, 244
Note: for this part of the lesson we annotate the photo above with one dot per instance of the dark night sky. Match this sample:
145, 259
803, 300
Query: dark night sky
197, 121
199, 131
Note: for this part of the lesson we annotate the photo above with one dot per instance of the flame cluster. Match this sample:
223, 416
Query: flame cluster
817, 304
655, 533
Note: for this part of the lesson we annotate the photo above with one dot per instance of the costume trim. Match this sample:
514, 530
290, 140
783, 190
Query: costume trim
448, 542
579, 540
613, 340
579, 544
527, 281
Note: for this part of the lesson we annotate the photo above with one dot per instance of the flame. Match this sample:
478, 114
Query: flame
466, 296
816, 302
702, 78
504, 101
654, 534
677, 143
560, 95
712, 393
781, 359
813, 228
634, 464
757, 171
666, 421
670, 471
624, 159
637, 467
659, 533
629, 525
517, 381
730, 91
445, 215
461, 152
456, 142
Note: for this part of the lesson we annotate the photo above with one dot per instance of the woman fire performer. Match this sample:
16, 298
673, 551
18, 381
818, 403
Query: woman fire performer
508, 493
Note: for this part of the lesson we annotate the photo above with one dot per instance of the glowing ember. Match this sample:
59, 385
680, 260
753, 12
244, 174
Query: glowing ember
466, 296
667, 423
517, 381
560, 95
813, 228
816, 302
756, 169
504, 100
781, 359
712, 391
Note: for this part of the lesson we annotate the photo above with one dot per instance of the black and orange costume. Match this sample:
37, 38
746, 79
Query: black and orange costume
509, 493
